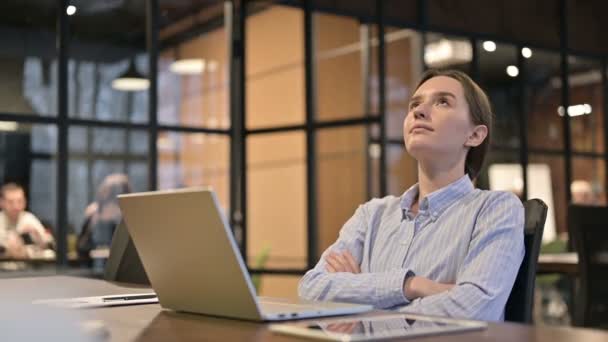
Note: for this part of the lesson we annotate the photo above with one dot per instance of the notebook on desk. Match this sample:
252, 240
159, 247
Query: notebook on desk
190, 256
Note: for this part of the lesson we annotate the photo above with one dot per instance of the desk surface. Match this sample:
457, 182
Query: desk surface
151, 323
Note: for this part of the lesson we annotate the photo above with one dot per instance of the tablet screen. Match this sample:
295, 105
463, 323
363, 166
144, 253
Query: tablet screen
379, 327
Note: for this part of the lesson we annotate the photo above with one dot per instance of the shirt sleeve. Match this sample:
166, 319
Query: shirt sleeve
29, 220
486, 277
382, 290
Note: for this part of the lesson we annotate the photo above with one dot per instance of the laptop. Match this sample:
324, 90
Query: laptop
193, 263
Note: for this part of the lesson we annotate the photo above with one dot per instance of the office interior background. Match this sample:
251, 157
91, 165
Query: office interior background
291, 110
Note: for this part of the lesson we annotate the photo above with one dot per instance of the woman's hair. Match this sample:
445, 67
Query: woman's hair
112, 186
480, 112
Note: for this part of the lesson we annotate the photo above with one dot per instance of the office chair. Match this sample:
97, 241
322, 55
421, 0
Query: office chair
520, 302
588, 228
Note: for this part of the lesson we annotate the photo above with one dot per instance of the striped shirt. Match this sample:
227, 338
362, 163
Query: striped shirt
461, 235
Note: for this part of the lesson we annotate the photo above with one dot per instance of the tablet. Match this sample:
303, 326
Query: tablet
101, 301
377, 327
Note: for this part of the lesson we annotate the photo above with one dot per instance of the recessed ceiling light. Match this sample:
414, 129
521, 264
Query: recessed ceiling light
526, 52
190, 66
489, 46
512, 71
71, 10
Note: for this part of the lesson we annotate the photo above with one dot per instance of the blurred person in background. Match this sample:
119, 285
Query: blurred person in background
102, 216
20, 228
582, 193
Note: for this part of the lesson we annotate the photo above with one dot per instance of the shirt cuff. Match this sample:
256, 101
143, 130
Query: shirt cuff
390, 288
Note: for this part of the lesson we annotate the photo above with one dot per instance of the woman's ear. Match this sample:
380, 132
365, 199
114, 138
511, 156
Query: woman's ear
477, 136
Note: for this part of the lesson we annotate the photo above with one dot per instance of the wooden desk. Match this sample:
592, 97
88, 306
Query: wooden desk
151, 323
563, 263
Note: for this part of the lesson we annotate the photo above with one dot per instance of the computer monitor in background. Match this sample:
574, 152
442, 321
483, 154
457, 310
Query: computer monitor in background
123, 263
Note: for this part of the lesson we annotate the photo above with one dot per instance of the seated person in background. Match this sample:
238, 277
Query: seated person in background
102, 216
19, 227
443, 248
582, 193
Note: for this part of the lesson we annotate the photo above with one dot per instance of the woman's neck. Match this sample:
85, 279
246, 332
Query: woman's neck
433, 177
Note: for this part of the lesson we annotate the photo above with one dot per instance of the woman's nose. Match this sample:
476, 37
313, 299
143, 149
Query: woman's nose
419, 114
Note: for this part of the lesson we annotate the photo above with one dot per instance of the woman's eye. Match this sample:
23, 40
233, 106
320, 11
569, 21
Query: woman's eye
413, 105
443, 102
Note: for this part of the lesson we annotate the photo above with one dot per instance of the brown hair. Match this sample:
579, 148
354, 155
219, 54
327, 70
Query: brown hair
480, 112
10, 187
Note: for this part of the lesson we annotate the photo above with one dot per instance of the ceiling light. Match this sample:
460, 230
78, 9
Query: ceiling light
512, 71
447, 52
191, 66
526, 52
489, 46
70, 10
575, 110
8, 126
131, 80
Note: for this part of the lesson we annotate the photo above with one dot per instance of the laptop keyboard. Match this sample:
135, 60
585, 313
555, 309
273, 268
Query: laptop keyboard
275, 307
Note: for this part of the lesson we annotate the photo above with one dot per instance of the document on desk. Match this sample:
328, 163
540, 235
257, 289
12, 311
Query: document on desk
101, 301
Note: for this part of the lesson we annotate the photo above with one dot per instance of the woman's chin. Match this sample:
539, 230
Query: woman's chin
418, 149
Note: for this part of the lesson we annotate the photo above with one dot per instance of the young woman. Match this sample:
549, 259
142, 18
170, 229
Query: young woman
443, 247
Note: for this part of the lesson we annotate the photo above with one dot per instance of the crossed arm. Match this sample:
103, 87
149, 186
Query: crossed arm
413, 286
338, 276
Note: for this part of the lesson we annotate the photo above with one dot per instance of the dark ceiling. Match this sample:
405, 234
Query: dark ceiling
119, 22
109, 28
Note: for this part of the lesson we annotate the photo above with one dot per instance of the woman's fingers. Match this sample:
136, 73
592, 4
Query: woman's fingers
334, 263
342, 262
351, 261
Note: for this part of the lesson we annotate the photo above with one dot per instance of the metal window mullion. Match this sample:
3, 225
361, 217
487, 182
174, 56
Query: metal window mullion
423, 23
235, 16
311, 157
152, 32
62, 132
565, 97
523, 121
364, 38
605, 113
382, 95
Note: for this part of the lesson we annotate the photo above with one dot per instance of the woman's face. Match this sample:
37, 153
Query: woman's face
438, 123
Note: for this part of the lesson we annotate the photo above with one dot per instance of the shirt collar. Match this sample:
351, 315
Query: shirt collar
435, 203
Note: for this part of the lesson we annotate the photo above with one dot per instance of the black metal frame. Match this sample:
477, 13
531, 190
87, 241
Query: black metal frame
238, 147
563, 9
604, 69
523, 123
382, 94
311, 151
234, 20
62, 133
152, 28
365, 33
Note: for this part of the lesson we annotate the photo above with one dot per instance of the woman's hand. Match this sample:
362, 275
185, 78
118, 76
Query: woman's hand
341, 262
420, 287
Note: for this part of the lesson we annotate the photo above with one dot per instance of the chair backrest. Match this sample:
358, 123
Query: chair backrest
588, 228
520, 302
